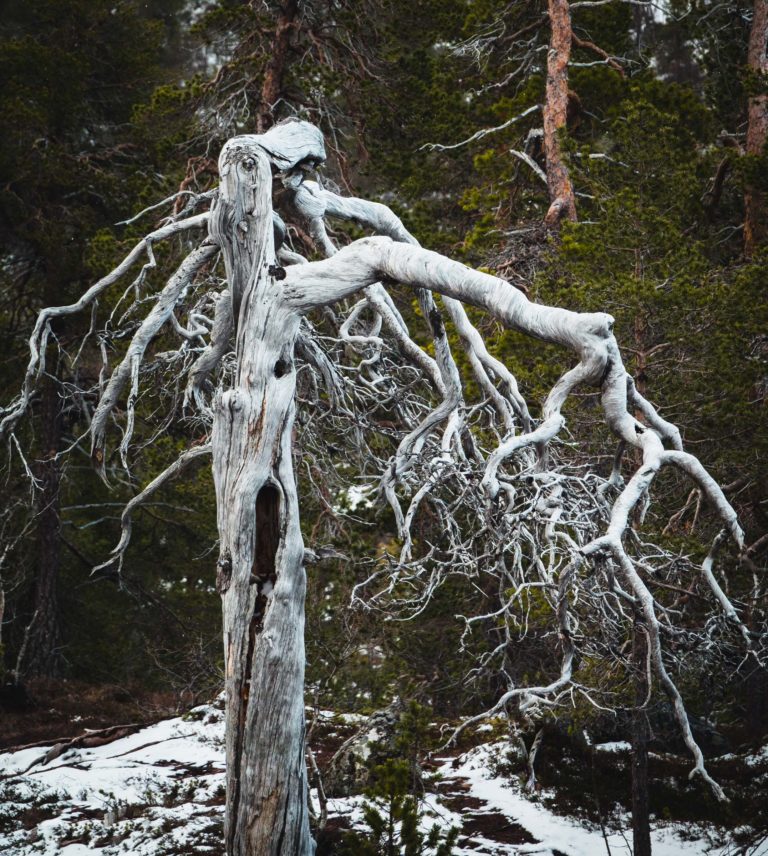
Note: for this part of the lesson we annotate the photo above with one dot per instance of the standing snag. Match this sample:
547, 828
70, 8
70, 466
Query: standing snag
492, 476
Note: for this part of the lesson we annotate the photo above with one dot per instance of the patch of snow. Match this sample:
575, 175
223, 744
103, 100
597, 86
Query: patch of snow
159, 791
345, 718
554, 832
358, 496
615, 746
142, 794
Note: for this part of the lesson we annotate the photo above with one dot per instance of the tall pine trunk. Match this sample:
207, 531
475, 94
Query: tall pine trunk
641, 827
261, 576
274, 71
755, 202
561, 195
40, 654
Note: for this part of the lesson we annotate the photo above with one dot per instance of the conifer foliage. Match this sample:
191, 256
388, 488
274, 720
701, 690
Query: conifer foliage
551, 463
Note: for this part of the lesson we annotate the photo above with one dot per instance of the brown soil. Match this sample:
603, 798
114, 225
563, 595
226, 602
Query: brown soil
327, 738
461, 804
53, 710
496, 827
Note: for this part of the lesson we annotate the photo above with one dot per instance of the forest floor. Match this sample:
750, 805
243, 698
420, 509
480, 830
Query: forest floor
64, 708
158, 790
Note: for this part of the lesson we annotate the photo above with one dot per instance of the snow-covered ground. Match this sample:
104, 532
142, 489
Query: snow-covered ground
555, 834
160, 791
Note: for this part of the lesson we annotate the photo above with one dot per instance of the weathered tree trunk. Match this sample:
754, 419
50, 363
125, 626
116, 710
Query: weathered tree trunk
562, 200
272, 86
39, 655
756, 209
641, 828
260, 576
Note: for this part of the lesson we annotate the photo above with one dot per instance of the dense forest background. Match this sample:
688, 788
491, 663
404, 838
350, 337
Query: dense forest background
109, 107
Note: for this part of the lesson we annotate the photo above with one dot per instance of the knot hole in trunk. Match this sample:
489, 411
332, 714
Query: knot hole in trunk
267, 534
284, 362
282, 367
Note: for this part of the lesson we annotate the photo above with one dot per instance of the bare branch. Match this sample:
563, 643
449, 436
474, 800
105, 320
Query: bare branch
126, 518
479, 135
39, 338
129, 366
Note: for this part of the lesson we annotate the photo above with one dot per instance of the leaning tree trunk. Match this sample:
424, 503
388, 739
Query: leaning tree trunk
755, 202
261, 575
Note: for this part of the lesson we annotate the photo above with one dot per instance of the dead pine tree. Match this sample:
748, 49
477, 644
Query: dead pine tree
244, 339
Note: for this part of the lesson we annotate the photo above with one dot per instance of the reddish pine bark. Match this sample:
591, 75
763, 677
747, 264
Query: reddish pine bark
756, 210
272, 87
562, 200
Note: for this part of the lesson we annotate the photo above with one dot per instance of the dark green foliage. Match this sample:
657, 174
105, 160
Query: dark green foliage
103, 115
71, 166
392, 815
72, 74
392, 811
